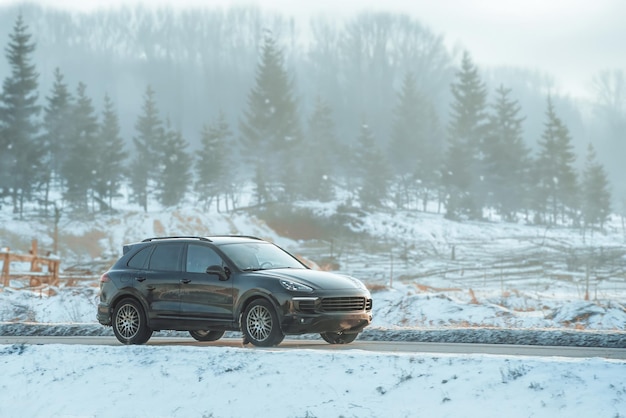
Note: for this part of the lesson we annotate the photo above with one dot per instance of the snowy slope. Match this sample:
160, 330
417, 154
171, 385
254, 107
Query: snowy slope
492, 291
501, 275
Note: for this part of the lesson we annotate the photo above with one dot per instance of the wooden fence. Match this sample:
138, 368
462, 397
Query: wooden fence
36, 274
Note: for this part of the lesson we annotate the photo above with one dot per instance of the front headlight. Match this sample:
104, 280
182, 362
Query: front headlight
295, 286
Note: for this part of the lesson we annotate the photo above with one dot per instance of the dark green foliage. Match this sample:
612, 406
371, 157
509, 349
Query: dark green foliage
261, 184
555, 182
58, 129
80, 168
464, 166
174, 168
213, 166
271, 137
21, 148
596, 197
148, 142
507, 161
110, 166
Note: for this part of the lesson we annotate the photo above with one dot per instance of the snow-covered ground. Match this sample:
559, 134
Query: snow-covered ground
175, 381
432, 280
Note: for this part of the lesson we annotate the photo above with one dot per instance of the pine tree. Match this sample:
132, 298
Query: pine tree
569, 188
110, 167
147, 143
463, 166
556, 188
57, 130
174, 168
320, 151
415, 145
21, 150
596, 197
79, 169
506, 157
270, 130
372, 169
212, 165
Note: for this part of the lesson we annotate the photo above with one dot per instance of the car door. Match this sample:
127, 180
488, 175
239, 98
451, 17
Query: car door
205, 295
161, 283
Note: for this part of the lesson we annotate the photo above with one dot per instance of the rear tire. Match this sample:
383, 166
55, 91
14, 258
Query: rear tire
202, 335
259, 324
129, 323
339, 337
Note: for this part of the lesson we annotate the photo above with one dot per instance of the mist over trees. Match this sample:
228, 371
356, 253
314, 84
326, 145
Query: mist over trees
270, 128
189, 106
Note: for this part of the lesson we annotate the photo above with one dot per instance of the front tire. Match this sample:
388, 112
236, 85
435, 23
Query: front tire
202, 335
129, 323
259, 324
339, 337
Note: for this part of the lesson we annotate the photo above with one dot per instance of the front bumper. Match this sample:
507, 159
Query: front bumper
349, 313
300, 323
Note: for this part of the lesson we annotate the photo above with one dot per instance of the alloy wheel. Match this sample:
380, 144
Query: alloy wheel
127, 321
259, 323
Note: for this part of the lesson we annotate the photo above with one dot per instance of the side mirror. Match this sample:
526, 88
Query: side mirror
220, 271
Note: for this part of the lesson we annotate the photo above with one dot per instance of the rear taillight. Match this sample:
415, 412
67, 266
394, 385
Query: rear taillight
104, 278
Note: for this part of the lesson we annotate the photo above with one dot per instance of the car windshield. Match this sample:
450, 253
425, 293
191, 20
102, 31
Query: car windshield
251, 256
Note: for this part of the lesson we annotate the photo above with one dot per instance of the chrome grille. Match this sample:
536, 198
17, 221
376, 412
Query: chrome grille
343, 304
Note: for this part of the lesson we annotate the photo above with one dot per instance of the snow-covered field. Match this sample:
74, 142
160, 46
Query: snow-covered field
431, 279
175, 381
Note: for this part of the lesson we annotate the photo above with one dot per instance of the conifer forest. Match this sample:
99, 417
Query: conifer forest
194, 106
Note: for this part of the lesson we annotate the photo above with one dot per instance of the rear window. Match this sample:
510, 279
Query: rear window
140, 260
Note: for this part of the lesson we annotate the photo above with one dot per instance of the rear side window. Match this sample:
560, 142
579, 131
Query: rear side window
140, 260
166, 257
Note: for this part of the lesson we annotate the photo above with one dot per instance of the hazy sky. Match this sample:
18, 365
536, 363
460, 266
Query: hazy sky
571, 40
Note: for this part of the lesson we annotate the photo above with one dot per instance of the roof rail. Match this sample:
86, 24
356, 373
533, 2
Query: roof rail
178, 236
240, 236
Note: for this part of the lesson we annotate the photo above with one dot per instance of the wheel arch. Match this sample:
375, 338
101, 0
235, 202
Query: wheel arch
131, 293
248, 299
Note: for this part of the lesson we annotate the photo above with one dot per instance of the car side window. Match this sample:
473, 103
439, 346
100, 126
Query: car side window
199, 257
140, 260
166, 257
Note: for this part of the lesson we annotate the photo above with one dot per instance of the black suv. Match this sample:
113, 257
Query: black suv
209, 285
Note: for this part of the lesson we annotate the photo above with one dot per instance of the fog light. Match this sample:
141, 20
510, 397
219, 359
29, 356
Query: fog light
302, 320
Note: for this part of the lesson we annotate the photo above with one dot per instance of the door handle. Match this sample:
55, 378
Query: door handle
185, 281
140, 279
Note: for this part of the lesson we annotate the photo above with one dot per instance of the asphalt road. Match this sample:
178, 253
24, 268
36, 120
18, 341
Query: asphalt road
375, 346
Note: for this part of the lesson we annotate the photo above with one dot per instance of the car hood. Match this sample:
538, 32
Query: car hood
315, 278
